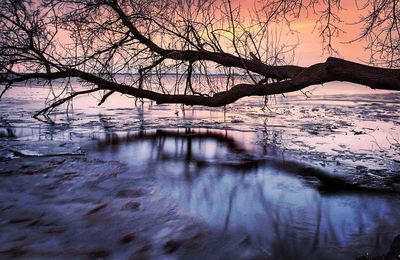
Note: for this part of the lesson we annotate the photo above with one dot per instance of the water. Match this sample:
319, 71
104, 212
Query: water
230, 167
210, 175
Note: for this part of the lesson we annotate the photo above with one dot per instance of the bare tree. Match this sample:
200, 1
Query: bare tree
94, 40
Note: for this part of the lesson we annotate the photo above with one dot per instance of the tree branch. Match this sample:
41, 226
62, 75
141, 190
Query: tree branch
333, 69
63, 100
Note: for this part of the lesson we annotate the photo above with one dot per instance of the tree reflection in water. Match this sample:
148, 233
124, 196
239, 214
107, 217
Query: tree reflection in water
212, 176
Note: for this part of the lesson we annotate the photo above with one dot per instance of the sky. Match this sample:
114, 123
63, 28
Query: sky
310, 50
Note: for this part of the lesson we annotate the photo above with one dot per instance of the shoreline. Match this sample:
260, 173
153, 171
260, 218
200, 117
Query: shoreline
176, 205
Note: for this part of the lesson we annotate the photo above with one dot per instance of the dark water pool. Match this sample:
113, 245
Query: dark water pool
215, 177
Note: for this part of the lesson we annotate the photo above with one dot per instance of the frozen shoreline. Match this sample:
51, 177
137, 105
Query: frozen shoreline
74, 195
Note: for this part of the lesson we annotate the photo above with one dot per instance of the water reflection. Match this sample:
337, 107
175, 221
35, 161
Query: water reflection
212, 176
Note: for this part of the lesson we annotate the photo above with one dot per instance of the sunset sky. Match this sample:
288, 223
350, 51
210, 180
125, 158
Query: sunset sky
311, 50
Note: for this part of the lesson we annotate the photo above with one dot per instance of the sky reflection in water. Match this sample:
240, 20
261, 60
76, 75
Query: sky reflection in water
211, 176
